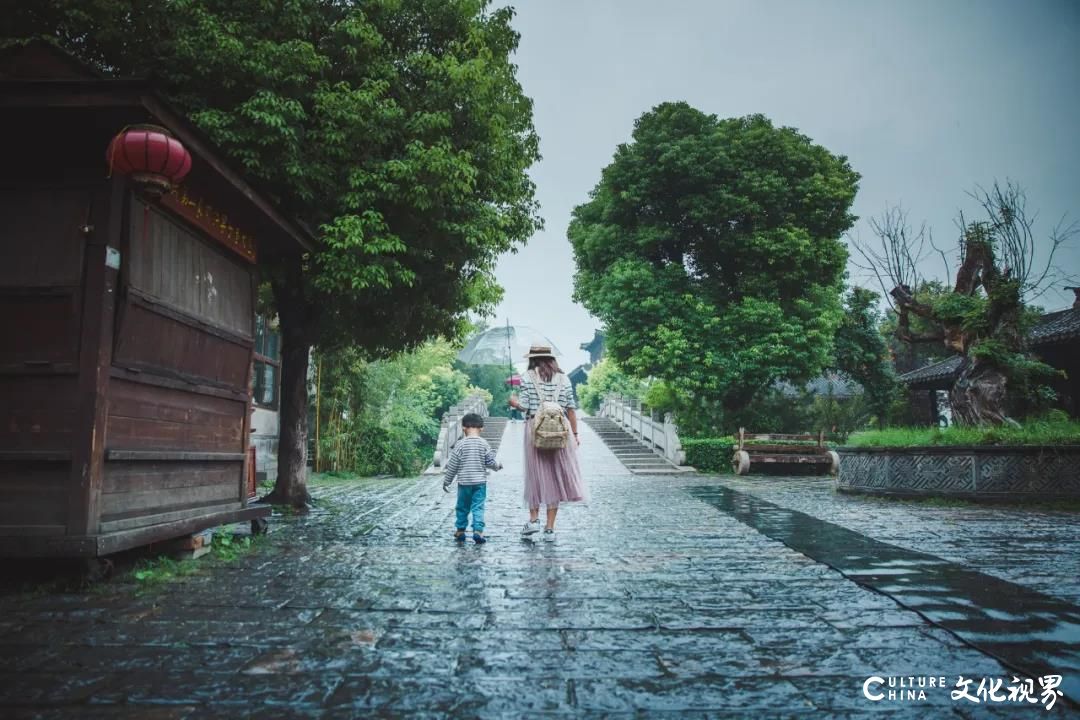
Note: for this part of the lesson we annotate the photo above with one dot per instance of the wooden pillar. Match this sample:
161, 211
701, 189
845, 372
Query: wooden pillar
102, 235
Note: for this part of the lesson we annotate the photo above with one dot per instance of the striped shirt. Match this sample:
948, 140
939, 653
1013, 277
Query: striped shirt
470, 459
558, 390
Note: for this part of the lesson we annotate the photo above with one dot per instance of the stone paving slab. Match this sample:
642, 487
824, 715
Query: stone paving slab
651, 603
1034, 547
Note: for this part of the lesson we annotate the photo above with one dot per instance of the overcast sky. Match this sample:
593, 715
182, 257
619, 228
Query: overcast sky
925, 98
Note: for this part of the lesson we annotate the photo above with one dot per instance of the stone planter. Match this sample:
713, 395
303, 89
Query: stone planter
981, 472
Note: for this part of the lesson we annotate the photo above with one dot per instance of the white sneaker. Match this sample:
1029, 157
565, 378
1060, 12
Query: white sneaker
549, 535
531, 528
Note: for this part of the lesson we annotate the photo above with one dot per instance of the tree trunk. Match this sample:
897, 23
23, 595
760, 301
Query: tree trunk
294, 314
978, 395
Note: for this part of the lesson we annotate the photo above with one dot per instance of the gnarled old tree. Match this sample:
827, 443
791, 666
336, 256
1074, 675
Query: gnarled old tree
984, 318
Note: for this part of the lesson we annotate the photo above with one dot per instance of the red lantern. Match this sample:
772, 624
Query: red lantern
150, 155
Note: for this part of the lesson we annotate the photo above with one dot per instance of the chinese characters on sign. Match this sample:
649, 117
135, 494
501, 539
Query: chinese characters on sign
1020, 690
214, 222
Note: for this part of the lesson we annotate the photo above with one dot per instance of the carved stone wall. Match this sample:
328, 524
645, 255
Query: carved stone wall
990, 473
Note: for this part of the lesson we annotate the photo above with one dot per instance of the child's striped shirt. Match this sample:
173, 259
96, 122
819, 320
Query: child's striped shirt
469, 461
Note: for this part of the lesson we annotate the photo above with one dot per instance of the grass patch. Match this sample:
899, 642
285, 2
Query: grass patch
154, 572
1032, 432
332, 476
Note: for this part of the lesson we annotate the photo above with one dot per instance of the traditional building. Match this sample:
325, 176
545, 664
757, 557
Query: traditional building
1055, 340
127, 307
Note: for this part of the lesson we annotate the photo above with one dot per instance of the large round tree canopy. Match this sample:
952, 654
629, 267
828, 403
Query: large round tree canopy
711, 250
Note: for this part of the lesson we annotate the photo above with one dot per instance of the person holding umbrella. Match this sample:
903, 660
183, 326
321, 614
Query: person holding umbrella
552, 473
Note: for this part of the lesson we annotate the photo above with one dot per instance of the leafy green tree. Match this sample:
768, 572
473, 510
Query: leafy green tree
492, 379
397, 128
862, 354
710, 250
382, 416
607, 377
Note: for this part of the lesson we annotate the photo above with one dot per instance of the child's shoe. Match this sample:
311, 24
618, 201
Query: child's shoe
478, 538
531, 528
459, 536
549, 534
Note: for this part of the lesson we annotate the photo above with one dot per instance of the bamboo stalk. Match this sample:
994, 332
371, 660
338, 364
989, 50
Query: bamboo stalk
318, 406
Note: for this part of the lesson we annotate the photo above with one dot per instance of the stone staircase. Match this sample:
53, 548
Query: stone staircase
494, 427
631, 452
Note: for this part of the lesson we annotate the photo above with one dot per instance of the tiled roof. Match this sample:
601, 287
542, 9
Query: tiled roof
1053, 327
1056, 327
942, 372
836, 384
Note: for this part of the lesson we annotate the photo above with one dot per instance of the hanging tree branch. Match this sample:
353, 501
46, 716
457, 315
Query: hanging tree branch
894, 259
1016, 247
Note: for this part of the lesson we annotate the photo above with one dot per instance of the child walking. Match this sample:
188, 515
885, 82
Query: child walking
469, 461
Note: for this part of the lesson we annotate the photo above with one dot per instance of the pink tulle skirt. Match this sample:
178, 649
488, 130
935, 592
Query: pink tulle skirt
551, 476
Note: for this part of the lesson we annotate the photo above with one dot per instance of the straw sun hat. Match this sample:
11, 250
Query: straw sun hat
539, 351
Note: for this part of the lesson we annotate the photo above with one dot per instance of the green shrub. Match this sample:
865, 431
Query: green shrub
1053, 430
709, 454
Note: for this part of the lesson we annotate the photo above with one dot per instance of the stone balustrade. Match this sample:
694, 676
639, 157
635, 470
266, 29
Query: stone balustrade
450, 430
662, 435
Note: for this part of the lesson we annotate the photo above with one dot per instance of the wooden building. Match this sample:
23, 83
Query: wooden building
127, 320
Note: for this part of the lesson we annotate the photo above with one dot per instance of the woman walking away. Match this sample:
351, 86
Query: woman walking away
552, 474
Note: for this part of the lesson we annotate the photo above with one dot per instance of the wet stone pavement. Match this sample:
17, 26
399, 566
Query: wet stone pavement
654, 601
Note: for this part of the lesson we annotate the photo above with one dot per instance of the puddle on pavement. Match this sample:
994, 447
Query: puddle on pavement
1033, 633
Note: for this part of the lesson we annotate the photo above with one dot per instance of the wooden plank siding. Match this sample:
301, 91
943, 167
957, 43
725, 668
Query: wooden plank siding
195, 276
41, 328
41, 241
42, 245
179, 392
103, 236
155, 342
33, 496
148, 417
37, 412
134, 488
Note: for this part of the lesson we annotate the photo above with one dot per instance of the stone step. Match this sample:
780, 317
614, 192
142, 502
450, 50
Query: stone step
636, 455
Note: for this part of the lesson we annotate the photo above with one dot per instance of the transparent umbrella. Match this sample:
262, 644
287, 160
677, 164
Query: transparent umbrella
505, 345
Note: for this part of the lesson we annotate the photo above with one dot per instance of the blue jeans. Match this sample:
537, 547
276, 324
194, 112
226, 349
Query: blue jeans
470, 498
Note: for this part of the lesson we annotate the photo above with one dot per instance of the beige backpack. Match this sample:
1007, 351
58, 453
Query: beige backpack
551, 429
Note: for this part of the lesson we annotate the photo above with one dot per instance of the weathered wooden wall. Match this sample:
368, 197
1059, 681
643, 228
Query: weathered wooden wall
41, 272
178, 397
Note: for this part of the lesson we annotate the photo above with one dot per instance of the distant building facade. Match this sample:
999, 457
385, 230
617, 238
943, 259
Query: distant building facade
266, 393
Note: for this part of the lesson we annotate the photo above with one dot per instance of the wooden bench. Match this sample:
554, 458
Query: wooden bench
782, 449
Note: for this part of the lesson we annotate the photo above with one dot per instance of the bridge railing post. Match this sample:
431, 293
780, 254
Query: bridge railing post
673, 449
450, 426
